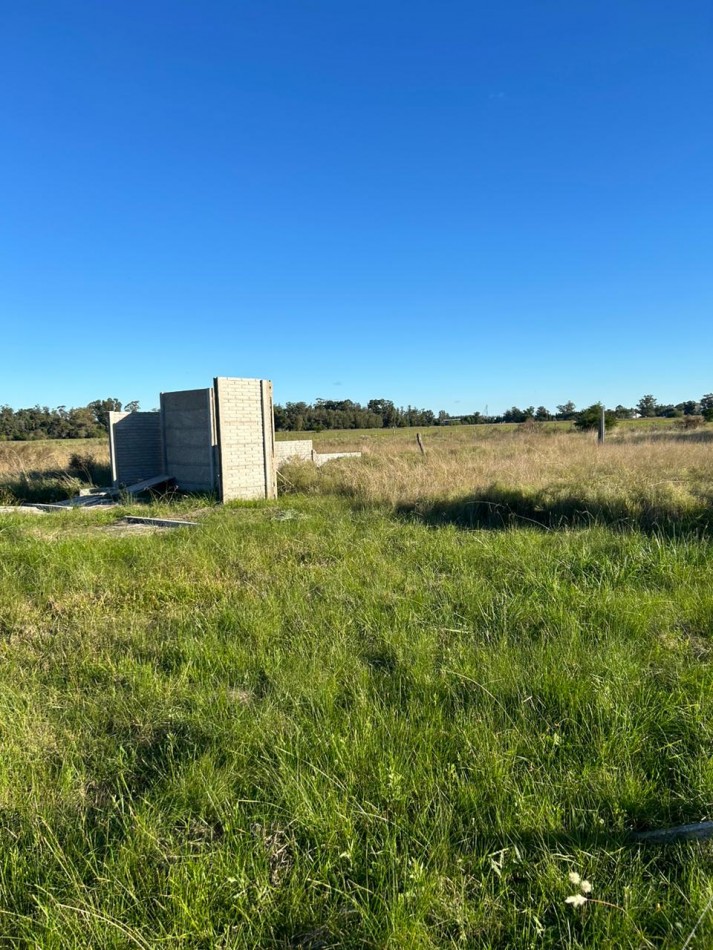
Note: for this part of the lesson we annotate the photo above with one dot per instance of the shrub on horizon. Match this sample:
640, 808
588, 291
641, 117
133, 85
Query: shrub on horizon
588, 418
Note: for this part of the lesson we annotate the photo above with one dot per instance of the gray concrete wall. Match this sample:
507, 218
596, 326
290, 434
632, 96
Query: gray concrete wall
303, 450
246, 436
189, 442
323, 458
220, 439
136, 446
294, 449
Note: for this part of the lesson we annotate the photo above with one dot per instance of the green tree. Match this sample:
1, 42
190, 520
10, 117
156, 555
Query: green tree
100, 408
647, 407
588, 418
386, 409
566, 411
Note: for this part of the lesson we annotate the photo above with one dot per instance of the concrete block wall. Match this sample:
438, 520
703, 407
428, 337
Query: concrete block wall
218, 439
303, 449
189, 443
246, 436
135, 446
294, 449
322, 458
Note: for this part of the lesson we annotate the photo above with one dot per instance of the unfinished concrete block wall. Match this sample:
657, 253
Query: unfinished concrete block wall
220, 439
322, 458
246, 436
135, 446
293, 449
189, 439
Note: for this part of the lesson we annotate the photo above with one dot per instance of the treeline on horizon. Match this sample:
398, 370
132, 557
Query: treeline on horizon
383, 414
91, 421
41, 422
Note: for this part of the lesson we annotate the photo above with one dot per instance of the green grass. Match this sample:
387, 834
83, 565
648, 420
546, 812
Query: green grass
323, 723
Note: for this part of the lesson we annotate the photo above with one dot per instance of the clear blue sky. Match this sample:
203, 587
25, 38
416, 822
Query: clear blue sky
451, 203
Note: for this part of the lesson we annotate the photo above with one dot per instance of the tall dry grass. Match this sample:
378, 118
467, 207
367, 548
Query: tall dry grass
43, 470
48, 455
549, 477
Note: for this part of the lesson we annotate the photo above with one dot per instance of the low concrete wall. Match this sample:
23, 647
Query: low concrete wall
294, 449
322, 458
303, 450
135, 446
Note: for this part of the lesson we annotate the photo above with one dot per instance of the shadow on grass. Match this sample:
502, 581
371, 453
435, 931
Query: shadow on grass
47, 486
668, 435
41, 487
498, 508
607, 839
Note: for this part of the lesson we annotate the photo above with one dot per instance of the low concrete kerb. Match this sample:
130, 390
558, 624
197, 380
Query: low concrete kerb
160, 522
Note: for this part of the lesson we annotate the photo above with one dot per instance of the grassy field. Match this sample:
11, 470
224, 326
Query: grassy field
396, 708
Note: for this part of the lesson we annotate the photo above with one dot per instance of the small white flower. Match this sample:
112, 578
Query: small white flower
576, 900
585, 887
575, 878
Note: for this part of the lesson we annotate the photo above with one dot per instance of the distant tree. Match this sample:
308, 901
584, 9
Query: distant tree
566, 411
621, 412
101, 409
542, 414
386, 409
689, 408
707, 407
295, 413
669, 411
647, 407
132, 406
86, 425
514, 414
280, 417
589, 418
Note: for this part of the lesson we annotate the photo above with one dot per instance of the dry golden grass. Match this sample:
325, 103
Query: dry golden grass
42, 470
551, 477
18, 458
480, 474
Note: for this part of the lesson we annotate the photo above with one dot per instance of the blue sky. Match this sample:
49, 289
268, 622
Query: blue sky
454, 204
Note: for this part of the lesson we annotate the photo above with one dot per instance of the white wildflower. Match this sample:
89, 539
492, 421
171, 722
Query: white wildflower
576, 900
